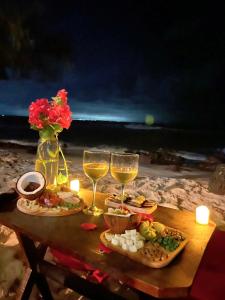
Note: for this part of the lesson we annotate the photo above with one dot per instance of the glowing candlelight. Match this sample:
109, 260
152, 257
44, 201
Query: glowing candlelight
75, 185
202, 215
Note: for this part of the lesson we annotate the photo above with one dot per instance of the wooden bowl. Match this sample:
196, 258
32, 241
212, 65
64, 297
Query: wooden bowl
119, 223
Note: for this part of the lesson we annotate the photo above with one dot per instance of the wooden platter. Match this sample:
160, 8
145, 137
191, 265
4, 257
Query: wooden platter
139, 257
45, 211
145, 210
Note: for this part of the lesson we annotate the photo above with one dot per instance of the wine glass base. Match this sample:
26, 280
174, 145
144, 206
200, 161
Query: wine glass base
93, 211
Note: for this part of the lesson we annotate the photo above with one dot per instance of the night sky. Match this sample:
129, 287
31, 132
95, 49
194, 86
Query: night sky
119, 60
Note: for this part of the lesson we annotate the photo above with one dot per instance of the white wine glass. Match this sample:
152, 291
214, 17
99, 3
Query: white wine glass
124, 168
96, 166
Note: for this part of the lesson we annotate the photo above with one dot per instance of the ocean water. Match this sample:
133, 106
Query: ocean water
133, 136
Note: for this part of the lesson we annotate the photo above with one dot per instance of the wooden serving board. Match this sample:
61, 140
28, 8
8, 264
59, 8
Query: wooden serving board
138, 257
47, 212
145, 210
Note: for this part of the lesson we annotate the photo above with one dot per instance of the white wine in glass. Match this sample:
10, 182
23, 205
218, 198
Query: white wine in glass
124, 168
96, 166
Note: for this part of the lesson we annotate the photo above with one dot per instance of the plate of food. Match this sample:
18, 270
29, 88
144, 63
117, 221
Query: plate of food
138, 204
36, 200
151, 243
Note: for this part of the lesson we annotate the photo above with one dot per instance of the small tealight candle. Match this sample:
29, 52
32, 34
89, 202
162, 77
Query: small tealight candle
202, 215
75, 185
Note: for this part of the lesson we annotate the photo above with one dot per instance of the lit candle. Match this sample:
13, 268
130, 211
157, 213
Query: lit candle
75, 185
202, 215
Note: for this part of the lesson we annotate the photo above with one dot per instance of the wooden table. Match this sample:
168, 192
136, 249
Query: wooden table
64, 233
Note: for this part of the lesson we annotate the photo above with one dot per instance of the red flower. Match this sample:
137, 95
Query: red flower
63, 95
43, 113
38, 113
61, 115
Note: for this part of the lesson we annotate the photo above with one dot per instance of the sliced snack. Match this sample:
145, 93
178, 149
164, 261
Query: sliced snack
136, 204
137, 201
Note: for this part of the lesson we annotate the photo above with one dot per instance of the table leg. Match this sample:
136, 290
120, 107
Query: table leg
33, 255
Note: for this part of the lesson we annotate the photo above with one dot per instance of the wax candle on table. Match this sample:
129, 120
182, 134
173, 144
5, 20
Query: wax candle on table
202, 215
75, 185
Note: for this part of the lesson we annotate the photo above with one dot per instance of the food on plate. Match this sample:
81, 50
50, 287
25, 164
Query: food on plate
159, 227
51, 203
135, 203
166, 237
152, 243
118, 211
131, 240
49, 199
177, 235
150, 229
154, 252
31, 185
147, 231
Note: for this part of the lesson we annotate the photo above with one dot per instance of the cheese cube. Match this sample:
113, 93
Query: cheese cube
115, 242
133, 238
124, 246
139, 244
127, 232
132, 248
133, 232
122, 240
108, 236
129, 242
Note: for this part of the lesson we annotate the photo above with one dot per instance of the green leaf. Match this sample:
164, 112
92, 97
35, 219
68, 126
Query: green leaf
57, 128
70, 205
34, 127
47, 133
61, 179
57, 100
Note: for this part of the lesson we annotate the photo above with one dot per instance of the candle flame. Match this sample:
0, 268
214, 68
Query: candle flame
75, 185
202, 215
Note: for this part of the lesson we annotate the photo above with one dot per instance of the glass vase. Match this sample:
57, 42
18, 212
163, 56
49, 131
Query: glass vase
50, 161
47, 160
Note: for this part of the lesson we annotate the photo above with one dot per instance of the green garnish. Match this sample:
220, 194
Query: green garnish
70, 205
168, 242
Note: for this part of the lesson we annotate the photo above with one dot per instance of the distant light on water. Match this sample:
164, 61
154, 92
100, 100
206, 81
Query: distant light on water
149, 120
98, 117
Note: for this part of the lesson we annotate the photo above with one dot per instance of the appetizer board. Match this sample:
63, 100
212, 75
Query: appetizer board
37, 200
146, 252
46, 205
136, 204
35, 209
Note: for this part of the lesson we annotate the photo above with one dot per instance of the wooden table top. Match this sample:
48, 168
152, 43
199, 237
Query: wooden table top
64, 233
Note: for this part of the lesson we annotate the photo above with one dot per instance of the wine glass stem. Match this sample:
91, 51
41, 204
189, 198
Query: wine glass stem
122, 199
94, 192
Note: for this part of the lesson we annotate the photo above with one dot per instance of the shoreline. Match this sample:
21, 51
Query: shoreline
132, 136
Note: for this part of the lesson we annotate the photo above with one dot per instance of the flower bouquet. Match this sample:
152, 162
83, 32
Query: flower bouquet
49, 118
